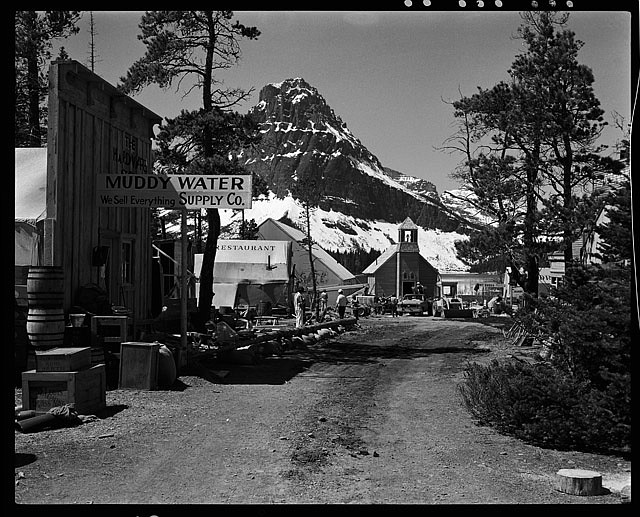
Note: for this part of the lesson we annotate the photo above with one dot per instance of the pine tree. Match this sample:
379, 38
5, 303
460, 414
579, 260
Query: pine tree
309, 190
528, 145
191, 47
34, 35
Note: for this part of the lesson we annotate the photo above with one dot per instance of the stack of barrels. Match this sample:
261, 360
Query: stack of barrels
45, 319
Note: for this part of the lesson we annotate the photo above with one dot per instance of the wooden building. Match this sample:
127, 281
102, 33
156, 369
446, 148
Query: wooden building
94, 129
400, 267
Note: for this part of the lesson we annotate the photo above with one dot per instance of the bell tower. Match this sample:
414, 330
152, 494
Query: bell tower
408, 236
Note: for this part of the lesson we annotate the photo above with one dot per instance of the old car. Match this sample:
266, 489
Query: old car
414, 304
451, 307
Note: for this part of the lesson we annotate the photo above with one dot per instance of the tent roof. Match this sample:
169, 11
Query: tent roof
338, 269
31, 183
249, 262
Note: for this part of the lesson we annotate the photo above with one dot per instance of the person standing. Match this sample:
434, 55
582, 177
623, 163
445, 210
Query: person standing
394, 305
324, 300
341, 303
299, 304
355, 306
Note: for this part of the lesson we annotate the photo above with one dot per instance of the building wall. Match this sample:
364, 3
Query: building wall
462, 284
385, 278
93, 130
413, 268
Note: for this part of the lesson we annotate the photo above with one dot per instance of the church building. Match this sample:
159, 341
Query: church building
401, 267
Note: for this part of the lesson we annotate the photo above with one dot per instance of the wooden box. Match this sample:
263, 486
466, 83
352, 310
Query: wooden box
139, 365
86, 389
63, 359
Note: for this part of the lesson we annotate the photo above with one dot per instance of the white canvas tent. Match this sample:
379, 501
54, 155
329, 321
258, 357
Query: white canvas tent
250, 272
30, 204
30, 211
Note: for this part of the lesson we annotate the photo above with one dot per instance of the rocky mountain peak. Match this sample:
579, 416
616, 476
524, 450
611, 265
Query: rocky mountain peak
295, 101
300, 132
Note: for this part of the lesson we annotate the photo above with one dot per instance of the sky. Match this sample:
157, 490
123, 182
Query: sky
387, 74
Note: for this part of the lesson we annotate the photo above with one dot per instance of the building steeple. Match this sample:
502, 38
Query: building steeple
408, 235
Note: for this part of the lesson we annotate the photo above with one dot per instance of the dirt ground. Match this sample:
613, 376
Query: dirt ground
371, 416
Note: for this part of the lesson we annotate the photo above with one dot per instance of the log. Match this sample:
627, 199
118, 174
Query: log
579, 482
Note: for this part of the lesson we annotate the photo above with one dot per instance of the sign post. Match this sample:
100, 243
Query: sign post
183, 288
179, 192
175, 191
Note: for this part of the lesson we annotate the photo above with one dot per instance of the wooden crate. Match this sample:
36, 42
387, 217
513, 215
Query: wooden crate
86, 389
63, 359
139, 365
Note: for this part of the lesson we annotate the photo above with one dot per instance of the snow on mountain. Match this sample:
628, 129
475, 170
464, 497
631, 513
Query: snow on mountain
335, 231
363, 202
301, 135
461, 201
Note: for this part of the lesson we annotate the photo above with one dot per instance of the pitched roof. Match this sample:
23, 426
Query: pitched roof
338, 269
408, 224
385, 257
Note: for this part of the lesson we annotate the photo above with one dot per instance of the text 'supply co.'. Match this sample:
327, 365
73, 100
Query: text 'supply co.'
174, 191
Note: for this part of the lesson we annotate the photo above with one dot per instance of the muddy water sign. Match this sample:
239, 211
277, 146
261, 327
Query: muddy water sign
174, 191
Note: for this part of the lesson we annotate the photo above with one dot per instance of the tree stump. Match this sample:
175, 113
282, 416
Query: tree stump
579, 482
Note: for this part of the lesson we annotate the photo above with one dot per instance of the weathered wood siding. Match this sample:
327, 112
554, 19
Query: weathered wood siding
386, 277
94, 129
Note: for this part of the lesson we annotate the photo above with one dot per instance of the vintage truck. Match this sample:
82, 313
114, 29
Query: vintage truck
417, 304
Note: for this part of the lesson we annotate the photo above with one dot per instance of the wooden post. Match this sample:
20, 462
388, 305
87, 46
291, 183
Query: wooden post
183, 287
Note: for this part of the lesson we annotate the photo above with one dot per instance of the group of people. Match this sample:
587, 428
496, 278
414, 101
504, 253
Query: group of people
300, 305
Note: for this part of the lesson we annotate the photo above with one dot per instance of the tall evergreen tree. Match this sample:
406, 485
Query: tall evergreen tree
190, 48
529, 143
34, 35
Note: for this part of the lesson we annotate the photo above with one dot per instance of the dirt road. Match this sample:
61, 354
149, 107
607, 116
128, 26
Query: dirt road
372, 416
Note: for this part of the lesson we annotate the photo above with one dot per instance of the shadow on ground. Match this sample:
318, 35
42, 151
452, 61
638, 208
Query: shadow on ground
280, 369
21, 459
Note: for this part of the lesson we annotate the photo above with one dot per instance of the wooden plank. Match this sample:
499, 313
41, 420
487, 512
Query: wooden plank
82, 138
63, 359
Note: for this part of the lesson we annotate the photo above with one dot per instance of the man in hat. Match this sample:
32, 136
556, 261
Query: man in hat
341, 303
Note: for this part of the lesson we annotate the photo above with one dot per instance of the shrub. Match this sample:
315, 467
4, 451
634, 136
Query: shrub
543, 406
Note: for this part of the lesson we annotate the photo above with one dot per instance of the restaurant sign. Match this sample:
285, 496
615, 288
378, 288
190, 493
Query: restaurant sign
174, 191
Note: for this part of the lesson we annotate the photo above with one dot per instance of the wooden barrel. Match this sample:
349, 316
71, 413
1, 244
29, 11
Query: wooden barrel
45, 286
45, 327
